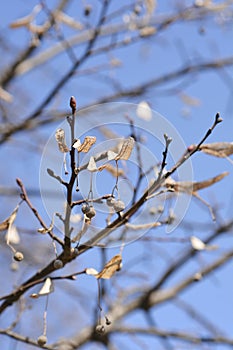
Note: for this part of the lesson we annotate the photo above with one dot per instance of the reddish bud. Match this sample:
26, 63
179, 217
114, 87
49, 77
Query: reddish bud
73, 103
191, 148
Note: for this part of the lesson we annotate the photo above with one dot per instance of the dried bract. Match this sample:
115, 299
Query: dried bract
126, 149
60, 138
87, 144
111, 267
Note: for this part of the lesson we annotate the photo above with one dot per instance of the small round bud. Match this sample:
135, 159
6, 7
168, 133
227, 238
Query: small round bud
91, 213
87, 10
58, 264
119, 206
42, 340
110, 201
85, 208
100, 329
18, 256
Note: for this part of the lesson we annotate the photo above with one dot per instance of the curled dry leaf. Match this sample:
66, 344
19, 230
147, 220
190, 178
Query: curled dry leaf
126, 149
87, 144
46, 289
110, 267
60, 138
192, 187
218, 149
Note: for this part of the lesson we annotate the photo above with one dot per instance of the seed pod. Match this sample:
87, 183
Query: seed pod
119, 206
58, 264
42, 340
110, 201
85, 208
18, 256
91, 213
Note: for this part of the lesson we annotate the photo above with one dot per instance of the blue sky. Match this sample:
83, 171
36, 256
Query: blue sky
172, 49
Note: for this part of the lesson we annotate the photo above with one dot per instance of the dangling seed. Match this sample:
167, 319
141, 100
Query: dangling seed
85, 208
18, 256
110, 201
91, 213
119, 206
42, 340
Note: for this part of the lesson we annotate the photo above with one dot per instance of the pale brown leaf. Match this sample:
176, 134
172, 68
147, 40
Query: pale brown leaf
112, 170
110, 268
218, 149
126, 149
191, 187
87, 144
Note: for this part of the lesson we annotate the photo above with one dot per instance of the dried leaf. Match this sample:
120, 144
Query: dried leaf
126, 149
60, 138
111, 267
206, 183
77, 144
87, 144
92, 165
112, 170
218, 149
90, 271
111, 155
144, 111
4, 225
192, 187
12, 235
